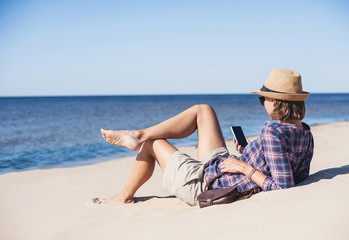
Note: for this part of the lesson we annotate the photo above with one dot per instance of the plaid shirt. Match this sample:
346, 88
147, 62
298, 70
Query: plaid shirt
282, 152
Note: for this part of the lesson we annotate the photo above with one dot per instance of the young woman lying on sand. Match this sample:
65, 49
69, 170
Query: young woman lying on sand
279, 158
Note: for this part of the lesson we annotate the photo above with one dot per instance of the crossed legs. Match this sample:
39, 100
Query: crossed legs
153, 146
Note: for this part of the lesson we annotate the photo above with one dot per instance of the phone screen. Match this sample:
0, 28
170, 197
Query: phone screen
239, 135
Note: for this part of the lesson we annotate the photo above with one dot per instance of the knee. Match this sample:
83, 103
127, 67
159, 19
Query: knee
203, 108
149, 144
147, 148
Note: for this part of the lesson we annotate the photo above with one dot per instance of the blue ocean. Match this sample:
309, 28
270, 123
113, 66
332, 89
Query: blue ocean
55, 132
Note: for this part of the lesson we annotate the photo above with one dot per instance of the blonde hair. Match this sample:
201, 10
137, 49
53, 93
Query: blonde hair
288, 110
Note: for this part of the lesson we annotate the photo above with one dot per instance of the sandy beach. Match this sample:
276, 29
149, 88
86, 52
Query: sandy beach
56, 203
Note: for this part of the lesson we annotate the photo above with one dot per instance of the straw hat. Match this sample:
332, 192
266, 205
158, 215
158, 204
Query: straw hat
283, 84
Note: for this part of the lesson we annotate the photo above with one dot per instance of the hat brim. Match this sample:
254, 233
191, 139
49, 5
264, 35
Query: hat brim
284, 96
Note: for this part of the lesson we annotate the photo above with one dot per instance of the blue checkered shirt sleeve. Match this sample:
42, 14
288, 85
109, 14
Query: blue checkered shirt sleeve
277, 160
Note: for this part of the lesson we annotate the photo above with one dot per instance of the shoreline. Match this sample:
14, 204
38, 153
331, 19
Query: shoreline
93, 161
56, 203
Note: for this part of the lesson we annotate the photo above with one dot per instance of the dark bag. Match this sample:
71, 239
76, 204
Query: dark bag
223, 195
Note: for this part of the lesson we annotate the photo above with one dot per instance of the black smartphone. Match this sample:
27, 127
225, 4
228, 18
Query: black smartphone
239, 135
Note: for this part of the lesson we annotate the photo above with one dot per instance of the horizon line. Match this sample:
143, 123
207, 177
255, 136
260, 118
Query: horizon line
145, 95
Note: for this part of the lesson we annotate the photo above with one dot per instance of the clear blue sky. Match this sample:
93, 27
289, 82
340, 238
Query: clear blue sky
63, 47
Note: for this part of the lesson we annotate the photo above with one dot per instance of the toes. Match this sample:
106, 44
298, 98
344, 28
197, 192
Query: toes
104, 134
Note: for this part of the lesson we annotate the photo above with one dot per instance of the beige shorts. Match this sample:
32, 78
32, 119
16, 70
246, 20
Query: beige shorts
184, 175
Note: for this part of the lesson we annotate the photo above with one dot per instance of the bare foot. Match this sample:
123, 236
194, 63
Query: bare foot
129, 139
117, 199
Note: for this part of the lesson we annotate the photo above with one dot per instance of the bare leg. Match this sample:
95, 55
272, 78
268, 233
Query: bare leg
155, 147
143, 168
198, 117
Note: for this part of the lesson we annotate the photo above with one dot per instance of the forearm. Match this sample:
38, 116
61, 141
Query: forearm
237, 166
257, 176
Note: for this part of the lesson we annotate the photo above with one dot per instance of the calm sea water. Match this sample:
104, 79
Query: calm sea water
51, 132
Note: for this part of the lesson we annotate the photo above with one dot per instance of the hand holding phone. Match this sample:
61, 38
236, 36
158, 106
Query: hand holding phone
239, 135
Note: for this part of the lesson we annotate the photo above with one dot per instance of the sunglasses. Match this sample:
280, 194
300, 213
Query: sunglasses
262, 99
